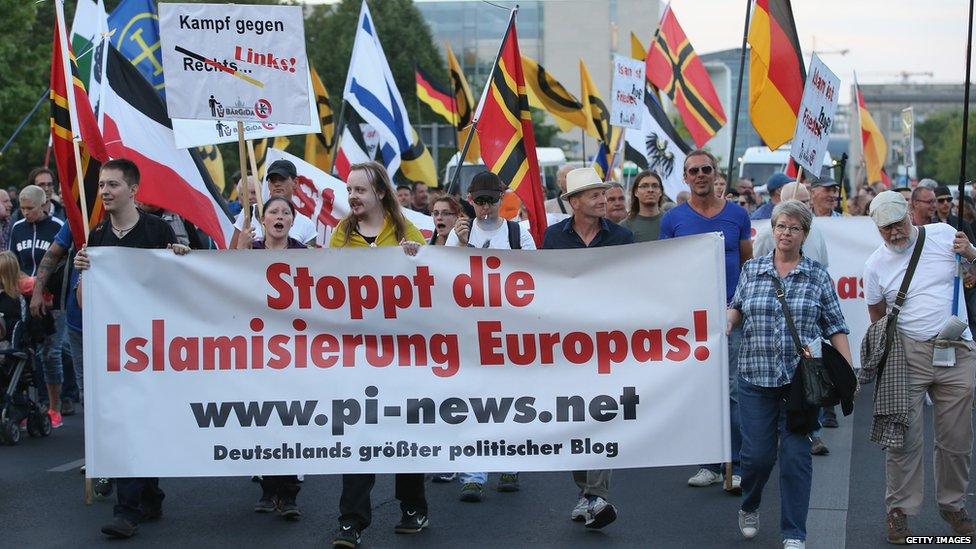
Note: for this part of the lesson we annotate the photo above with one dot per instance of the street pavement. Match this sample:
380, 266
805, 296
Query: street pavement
41, 505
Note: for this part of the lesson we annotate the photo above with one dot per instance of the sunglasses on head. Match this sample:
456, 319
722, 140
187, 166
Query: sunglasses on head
706, 169
486, 200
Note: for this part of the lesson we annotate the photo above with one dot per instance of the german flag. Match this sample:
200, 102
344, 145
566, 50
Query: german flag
463, 106
674, 68
597, 113
505, 130
875, 149
546, 93
438, 98
776, 72
78, 147
318, 146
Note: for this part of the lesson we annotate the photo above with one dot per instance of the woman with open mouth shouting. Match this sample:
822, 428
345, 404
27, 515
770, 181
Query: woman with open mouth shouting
445, 212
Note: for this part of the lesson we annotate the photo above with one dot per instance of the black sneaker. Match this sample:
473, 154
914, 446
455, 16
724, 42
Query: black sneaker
120, 528
103, 487
289, 510
412, 522
508, 482
347, 536
441, 478
67, 407
266, 504
472, 492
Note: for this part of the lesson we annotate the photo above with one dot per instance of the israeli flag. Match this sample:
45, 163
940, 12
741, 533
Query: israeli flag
371, 90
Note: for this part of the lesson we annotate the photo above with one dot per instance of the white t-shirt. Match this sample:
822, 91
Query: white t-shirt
814, 246
929, 300
302, 229
496, 240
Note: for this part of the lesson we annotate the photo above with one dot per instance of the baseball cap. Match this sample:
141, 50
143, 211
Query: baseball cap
776, 181
888, 207
824, 182
283, 168
486, 184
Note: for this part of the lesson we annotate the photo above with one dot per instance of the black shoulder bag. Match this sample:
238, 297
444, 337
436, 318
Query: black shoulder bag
818, 389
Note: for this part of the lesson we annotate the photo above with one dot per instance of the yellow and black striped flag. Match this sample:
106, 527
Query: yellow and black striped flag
545, 92
464, 107
597, 114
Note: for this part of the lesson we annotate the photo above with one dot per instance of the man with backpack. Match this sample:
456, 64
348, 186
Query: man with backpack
487, 230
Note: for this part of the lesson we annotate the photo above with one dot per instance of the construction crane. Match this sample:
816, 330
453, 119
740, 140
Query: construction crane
905, 75
814, 49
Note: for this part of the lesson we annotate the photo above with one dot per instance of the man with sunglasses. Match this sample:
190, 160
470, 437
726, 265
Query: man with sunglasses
706, 213
488, 230
922, 205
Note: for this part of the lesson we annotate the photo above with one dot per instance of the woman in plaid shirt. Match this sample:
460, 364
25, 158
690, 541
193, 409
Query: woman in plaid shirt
767, 361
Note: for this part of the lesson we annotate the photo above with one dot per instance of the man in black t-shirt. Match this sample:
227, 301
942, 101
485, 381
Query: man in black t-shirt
139, 499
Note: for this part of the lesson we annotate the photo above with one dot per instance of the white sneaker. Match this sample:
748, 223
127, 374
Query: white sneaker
794, 544
579, 512
749, 524
704, 477
736, 485
600, 513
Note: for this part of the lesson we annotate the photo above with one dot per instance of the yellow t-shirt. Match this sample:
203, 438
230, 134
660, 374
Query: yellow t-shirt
387, 236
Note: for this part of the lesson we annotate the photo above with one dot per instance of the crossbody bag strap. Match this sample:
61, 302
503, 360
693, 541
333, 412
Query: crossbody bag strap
899, 302
781, 296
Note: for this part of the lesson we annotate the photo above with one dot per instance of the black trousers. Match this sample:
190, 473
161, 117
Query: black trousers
355, 508
137, 497
281, 486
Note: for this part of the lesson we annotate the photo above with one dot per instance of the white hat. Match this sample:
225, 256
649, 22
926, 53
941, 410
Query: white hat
583, 179
888, 207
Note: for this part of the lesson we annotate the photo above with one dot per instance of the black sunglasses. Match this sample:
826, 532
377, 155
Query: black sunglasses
485, 200
706, 169
943, 199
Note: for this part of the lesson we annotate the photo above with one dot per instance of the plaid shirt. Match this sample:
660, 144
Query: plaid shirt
768, 355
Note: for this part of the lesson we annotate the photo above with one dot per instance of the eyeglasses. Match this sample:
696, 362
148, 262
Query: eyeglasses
486, 200
792, 229
899, 225
706, 169
929, 201
436, 213
943, 199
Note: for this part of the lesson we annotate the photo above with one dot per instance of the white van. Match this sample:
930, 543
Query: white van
758, 163
550, 159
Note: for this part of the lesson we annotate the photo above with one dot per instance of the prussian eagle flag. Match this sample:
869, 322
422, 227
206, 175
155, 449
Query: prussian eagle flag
136, 127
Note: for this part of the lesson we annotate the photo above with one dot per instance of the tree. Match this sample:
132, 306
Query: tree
330, 31
940, 134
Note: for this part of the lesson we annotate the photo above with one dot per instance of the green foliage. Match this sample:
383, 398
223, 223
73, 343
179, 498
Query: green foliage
406, 38
25, 70
940, 135
545, 134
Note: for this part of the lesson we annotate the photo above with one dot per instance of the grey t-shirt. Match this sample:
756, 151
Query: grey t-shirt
645, 229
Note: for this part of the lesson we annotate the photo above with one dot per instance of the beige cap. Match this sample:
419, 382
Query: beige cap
888, 207
583, 179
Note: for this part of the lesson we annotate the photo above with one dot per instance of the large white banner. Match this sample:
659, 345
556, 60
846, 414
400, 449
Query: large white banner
337, 361
850, 241
235, 62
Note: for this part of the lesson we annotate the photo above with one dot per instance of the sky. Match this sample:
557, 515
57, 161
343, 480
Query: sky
884, 37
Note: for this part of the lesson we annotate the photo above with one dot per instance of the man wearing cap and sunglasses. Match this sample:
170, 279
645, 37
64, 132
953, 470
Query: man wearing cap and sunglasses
917, 367
588, 227
281, 182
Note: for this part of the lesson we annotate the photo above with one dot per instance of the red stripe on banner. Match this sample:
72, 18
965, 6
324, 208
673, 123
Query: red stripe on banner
163, 187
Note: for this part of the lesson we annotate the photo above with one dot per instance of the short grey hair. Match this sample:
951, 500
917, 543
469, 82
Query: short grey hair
34, 194
795, 209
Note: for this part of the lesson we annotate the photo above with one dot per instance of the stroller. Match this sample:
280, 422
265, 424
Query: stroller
16, 378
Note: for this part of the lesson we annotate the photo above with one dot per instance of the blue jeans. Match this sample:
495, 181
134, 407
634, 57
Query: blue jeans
735, 341
77, 358
50, 352
477, 478
764, 433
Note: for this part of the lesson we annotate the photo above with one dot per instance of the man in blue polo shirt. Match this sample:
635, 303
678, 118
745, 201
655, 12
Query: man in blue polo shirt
706, 213
588, 228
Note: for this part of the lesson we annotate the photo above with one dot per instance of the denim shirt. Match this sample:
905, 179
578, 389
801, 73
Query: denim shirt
768, 356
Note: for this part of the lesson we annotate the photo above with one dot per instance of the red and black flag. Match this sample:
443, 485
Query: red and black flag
776, 72
674, 68
437, 97
505, 131
77, 144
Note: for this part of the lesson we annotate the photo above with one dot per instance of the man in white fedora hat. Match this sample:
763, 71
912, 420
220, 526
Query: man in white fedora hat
588, 228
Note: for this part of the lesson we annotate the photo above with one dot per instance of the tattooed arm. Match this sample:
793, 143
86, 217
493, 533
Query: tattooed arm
49, 264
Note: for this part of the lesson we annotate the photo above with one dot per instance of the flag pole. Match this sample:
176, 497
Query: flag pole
738, 94
254, 169
245, 196
965, 120
456, 177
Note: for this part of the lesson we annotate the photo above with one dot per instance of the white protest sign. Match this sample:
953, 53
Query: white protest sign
908, 136
850, 241
371, 361
199, 133
235, 62
816, 116
627, 92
